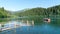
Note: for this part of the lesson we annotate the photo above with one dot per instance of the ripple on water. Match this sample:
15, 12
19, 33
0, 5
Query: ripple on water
41, 29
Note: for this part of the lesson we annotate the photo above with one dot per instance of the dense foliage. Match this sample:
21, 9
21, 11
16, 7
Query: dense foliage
55, 10
3, 13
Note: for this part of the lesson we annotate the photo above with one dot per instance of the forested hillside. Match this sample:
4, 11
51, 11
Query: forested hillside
55, 10
4, 13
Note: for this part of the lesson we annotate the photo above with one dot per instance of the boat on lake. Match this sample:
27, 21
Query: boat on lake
48, 20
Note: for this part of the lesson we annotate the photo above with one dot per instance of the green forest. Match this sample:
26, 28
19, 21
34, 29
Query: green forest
55, 10
4, 13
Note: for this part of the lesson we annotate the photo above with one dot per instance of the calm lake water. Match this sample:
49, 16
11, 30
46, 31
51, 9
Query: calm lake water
36, 29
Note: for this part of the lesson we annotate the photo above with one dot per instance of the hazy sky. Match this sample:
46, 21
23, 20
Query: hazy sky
15, 5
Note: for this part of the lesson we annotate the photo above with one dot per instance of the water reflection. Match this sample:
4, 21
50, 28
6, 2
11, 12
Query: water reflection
14, 24
42, 29
39, 27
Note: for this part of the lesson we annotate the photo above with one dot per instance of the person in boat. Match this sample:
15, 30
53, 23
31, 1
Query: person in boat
46, 19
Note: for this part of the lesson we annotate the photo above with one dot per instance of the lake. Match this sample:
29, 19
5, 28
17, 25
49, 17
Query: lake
44, 28
39, 26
